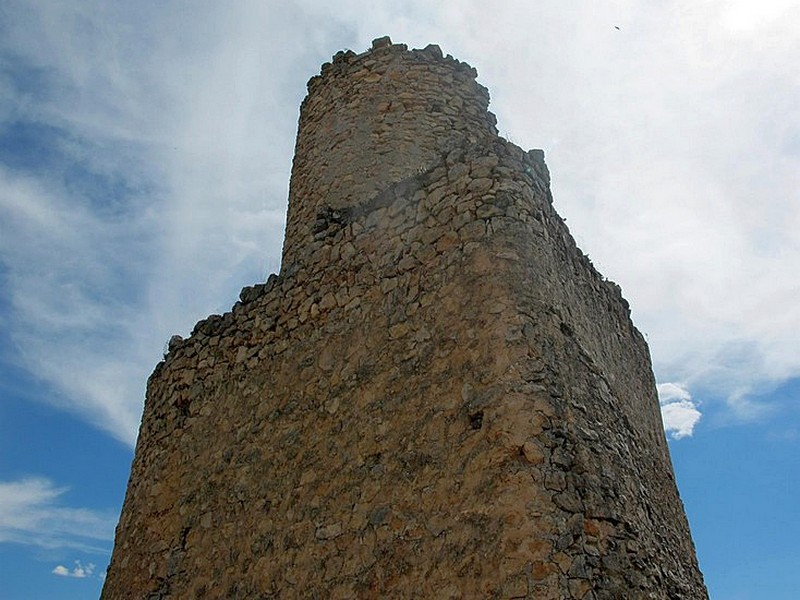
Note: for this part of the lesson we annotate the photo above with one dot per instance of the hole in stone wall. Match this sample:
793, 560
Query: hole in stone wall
476, 420
329, 217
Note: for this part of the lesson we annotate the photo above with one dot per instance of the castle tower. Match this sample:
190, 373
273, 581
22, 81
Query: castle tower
439, 397
372, 120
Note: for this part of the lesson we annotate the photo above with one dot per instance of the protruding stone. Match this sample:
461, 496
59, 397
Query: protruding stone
381, 42
532, 453
329, 532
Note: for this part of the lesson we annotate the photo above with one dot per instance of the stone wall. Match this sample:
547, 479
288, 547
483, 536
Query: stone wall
439, 397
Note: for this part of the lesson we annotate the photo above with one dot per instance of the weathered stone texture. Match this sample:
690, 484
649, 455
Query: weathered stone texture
439, 397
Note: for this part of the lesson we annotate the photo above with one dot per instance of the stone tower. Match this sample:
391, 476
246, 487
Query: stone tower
438, 397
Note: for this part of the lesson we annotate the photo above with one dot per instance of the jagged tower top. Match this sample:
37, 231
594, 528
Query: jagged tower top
375, 118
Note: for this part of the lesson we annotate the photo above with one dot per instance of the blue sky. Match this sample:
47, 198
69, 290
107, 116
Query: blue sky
145, 151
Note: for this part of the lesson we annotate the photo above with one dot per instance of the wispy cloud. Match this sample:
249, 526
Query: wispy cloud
69, 288
679, 413
32, 512
158, 194
674, 144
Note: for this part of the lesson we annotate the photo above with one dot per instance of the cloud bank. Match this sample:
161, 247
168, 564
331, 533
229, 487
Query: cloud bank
146, 156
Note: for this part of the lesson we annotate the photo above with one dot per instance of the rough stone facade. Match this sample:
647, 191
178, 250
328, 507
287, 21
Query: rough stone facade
438, 397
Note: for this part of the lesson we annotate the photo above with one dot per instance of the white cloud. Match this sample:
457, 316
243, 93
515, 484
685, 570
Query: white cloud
32, 513
674, 145
679, 413
672, 392
79, 571
680, 418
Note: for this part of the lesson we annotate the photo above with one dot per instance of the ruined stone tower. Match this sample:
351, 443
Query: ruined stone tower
438, 397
